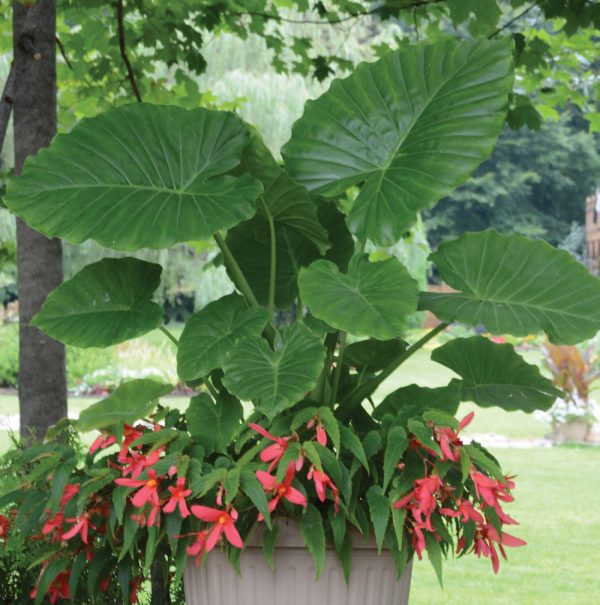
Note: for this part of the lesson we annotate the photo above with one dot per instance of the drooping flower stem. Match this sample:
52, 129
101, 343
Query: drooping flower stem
169, 335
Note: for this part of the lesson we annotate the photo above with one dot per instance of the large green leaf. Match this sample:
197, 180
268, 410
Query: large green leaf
275, 380
216, 422
411, 127
105, 303
372, 299
512, 284
413, 400
131, 401
210, 335
250, 243
373, 355
287, 202
495, 374
139, 176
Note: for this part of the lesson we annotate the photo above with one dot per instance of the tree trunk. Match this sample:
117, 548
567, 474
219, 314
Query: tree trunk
42, 376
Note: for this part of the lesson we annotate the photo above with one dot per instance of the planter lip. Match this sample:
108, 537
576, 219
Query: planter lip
289, 537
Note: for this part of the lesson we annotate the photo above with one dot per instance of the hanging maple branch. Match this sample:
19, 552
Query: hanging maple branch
123, 50
334, 20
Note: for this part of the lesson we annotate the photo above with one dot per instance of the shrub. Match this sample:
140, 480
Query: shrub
9, 354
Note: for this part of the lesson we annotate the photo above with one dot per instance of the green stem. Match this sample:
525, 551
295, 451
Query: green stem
321, 387
338, 369
169, 336
210, 388
299, 310
368, 388
273, 273
235, 272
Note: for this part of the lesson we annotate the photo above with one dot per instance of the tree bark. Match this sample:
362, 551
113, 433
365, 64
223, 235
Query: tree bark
42, 375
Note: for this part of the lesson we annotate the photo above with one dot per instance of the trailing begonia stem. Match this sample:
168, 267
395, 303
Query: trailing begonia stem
169, 335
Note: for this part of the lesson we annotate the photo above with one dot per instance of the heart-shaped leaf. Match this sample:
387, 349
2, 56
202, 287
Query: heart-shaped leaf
105, 303
287, 202
412, 127
275, 380
413, 400
495, 374
372, 299
250, 243
129, 402
373, 355
139, 176
211, 334
216, 422
514, 285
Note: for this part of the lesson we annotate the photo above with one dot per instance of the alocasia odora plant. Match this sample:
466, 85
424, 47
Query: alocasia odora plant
365, 158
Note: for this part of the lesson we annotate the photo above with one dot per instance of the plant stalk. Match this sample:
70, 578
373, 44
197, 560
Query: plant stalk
273, 273
236, 273
368, 388
335, 383
169, 335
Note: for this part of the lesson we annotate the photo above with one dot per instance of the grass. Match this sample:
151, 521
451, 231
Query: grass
557, 506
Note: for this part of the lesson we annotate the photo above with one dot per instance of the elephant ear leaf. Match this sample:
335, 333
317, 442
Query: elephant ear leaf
104, 304
496, 375
410, 128
139, 176
514, 285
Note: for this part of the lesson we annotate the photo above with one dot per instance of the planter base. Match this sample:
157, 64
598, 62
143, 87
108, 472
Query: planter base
372, 581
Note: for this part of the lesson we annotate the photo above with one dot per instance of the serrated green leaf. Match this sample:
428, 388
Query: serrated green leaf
59, 482
275, 380
255, 491
398, 518
312, 454
104, 304
211, 334
379, 511
434, 552
496, 375
75, 575
217, 421
331, 425
345, 556
371, 299
424, 434
411, 127
53, 569
231, 484
203, 484
269, 541
352, 443
514, 285
313, 534
302, 417
138, 176
397, 442
338, 528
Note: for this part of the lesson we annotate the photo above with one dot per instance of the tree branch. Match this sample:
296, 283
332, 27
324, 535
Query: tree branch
513, 20
6, 104
276, 17
63, 53
123, 50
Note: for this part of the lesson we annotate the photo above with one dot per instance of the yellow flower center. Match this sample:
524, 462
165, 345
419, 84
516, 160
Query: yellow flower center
151, 483
282, 490
223, 519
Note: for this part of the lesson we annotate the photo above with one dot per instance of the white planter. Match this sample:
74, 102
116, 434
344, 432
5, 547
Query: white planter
372, 581
572, 431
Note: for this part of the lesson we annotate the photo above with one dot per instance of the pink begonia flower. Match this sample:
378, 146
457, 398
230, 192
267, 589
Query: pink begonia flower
178, 495
281, 490
223, 522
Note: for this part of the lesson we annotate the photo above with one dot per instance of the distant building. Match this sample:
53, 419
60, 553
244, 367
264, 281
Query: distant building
592, 232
